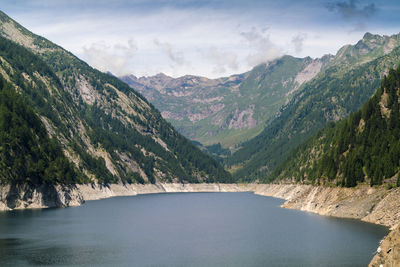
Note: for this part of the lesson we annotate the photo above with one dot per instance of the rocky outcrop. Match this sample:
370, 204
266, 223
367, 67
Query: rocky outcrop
44, 196
388, 252
371, 204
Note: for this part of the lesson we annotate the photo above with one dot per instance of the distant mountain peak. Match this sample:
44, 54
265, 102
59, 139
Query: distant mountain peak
369, 35
227, 109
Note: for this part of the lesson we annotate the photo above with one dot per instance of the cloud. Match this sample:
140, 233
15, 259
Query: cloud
262, 48
199, 37
114, 58
222, 60
352, 9
298, 42
175, 56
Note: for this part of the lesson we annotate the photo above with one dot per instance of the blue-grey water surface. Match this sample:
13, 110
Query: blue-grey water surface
184, 229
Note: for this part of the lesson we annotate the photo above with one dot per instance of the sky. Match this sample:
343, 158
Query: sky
211, 38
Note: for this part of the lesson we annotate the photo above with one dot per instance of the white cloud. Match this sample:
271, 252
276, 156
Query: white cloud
298, 42
262, 49
223, 61
113, 58
179, 40
175, 56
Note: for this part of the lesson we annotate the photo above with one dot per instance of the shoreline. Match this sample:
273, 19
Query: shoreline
369, 204
376, 205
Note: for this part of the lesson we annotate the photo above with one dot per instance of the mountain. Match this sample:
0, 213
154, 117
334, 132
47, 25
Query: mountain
370, 47
227, 110
364, 147
109, 132
342, 87
27, 154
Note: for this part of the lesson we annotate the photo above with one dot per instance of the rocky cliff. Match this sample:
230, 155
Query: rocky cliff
44, 196
388, 252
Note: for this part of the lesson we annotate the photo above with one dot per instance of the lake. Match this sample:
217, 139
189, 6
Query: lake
184, 229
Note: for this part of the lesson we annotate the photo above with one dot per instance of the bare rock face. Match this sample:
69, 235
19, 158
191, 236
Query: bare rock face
388, 252
243, 119
43, 196
374, 205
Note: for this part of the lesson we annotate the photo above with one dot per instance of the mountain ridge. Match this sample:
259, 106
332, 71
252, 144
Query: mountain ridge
238, 112
106, 129
227, 110
330, 96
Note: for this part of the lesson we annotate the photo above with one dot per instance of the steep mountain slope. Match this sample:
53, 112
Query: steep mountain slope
227, 110
25, 147
110, 132
332, 95
362, 148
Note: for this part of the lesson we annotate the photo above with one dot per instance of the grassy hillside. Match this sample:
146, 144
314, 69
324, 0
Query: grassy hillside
362, 148
107, 130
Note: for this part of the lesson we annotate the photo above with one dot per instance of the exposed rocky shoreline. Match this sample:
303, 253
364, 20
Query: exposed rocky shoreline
47, 196
370, 204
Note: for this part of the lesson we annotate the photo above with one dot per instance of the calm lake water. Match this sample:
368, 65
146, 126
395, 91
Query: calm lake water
186, 229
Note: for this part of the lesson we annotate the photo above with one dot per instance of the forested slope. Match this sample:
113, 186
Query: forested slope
27, 153
340, 89
108, 131
364, 147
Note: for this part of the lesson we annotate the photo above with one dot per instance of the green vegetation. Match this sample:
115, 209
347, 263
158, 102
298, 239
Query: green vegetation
36, 80
332, 95
27, 154
362, 148
226, 110
346, 81
108, 131
103, 131
216, 151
